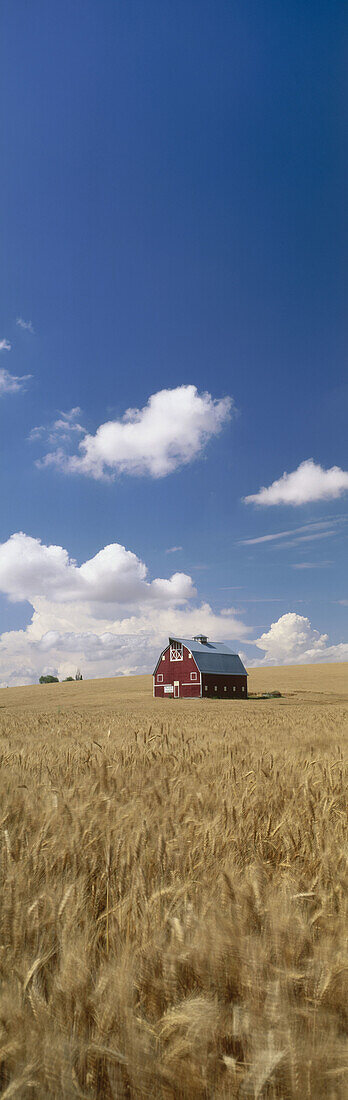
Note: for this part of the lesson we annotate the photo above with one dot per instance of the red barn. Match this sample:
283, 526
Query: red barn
199, 669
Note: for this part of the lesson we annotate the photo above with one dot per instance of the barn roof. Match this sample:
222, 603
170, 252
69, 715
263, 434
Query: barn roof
213, 656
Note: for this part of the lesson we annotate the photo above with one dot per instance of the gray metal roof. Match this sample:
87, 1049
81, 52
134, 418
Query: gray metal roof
213, 656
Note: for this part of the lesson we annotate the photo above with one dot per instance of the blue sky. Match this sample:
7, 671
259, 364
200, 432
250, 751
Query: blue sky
173, 218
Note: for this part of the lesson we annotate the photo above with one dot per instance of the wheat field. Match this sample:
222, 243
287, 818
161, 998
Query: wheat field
173, 903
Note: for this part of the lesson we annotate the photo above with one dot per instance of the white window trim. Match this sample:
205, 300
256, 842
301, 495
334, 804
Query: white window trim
193, 676
160, 678
176, 652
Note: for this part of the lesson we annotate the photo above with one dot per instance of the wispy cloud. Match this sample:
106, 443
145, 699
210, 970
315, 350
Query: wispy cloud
25, 325
262, 599
310, 482
173, 549
10, 383
60, 431
311, 564
307, 538
308, 532
318, 524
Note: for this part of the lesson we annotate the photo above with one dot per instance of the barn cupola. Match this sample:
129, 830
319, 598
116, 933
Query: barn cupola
202, 638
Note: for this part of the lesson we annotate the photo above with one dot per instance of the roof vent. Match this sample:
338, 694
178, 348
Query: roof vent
202, 638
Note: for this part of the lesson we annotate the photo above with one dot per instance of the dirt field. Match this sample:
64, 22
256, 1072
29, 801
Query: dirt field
173, 891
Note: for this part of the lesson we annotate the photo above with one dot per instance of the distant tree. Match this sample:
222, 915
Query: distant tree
78, 675
68, 679
48, 680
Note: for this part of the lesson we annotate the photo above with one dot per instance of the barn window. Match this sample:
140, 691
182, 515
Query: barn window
159, 678
225, 688
234, 689
243, 689
164, 657
206, 687
190, 654
215, 688
176, 651
193, 675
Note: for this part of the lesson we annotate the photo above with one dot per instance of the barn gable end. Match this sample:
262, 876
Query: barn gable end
177, 668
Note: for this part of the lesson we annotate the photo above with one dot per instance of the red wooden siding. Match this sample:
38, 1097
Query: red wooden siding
234, 686
177, 671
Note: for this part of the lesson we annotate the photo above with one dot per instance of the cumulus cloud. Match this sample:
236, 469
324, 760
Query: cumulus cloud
28, 570
309, 483
169, 432
27, 325
9, 383
106, 614
5, 345
292, 640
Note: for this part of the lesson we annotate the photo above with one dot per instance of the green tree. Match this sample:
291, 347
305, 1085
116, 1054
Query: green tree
48, 680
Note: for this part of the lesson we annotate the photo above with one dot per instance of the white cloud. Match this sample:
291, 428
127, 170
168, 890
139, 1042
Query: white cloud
263, 599
105, 615
173, 549
291, 641
61, 430
115, 576
9, 383
25, 325
305, 533
310, 482
306, 538
311, 564
169, 432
